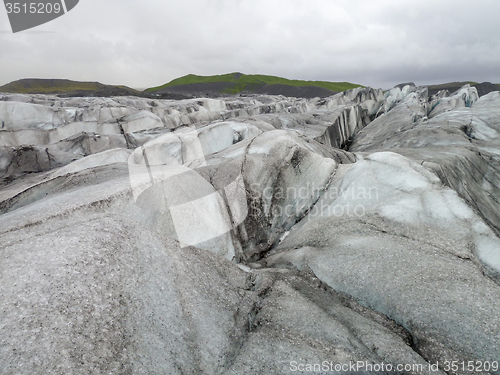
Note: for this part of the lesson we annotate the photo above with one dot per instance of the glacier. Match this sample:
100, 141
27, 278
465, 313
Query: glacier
244, 233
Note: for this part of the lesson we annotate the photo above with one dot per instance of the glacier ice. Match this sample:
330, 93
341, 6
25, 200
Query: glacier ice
239, 234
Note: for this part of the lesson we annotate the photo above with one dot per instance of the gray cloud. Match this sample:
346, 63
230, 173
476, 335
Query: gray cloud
378, 42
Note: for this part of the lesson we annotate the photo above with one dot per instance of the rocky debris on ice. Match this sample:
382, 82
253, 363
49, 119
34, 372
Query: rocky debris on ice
251, 234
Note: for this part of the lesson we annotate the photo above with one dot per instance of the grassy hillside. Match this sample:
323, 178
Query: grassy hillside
250, 82
62, 86
48, 86
191, 84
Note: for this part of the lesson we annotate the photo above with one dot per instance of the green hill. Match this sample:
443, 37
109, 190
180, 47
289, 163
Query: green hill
65, 86
235, 83
48, 86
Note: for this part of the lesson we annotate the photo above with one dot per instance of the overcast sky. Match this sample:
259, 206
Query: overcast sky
377, 43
